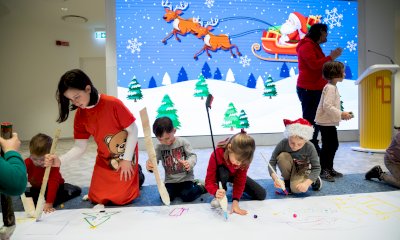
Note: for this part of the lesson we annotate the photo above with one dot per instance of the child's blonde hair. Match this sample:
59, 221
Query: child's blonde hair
332, 69
242, 145
40, 144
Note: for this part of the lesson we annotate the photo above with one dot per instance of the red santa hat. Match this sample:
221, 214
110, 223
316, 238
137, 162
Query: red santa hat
299, 20
300, 127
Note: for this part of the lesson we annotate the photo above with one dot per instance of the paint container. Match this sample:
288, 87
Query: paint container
6, 132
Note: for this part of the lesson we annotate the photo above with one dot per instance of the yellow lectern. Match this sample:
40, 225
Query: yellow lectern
376, 107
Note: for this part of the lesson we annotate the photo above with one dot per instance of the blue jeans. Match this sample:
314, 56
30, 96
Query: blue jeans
309, 103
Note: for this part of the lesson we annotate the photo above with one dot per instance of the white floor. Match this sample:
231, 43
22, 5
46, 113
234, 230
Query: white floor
372, 216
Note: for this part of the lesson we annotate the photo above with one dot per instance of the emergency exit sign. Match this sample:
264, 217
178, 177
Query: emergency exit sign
100, 35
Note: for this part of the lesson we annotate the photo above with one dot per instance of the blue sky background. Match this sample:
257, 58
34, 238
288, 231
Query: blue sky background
141, 22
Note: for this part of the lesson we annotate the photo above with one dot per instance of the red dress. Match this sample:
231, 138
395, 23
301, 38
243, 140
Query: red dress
35, 178
106, 123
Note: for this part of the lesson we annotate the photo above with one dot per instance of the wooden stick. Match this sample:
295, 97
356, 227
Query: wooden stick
223, 202
152, 156
272, 169
29, 205
41, 199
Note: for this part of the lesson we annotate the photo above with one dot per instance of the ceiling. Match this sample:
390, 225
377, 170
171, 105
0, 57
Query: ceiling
50, 11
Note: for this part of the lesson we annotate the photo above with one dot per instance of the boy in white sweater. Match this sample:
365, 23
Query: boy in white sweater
328, 117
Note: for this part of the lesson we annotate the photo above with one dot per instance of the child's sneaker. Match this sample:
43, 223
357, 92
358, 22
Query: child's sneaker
326, 176
317, 185
334, 173
375, 172
215, 203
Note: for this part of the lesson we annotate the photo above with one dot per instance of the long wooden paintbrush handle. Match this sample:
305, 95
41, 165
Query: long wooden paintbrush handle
152, 155
41, 199
272, 169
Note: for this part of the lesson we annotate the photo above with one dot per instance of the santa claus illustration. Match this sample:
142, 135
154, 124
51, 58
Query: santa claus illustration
294, 29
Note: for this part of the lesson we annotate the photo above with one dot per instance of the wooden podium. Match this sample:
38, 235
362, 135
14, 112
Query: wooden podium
376, 107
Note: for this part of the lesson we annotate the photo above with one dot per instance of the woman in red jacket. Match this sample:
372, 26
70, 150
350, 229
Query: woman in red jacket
229, 163
310, 81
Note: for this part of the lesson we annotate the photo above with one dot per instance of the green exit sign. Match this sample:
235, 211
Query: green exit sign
100, 34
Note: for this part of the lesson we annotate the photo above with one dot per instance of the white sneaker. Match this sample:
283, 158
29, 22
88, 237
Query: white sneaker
215, 203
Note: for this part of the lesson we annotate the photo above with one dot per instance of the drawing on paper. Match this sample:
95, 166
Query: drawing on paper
98, 218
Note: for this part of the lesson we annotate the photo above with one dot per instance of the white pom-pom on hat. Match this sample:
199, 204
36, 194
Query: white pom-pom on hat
300, 127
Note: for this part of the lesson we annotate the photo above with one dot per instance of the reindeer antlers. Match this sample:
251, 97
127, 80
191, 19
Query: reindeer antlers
182, 5
213, 22
166, 4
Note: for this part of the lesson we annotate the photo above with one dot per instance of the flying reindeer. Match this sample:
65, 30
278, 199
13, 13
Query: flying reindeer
181, 26
213, 42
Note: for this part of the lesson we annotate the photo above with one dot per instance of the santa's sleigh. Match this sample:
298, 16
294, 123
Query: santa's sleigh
270, 44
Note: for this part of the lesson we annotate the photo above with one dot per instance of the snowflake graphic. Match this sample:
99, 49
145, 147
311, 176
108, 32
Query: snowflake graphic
245, 61
351, 45
333, 18
209, 3
134, 45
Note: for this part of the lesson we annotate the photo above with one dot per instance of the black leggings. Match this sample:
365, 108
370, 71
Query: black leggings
252, 188
65, 192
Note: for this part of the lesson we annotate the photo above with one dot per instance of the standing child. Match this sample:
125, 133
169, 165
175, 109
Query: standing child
229, 163
328, 117
296, 158
117, 174
392, 162
178, 160
57, 191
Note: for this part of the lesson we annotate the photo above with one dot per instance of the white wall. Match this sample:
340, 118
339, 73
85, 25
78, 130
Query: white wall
31, 64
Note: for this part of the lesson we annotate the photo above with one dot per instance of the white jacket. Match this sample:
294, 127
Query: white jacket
328, 111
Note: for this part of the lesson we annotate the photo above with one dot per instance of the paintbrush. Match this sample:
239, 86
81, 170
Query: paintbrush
280, 182
224, 203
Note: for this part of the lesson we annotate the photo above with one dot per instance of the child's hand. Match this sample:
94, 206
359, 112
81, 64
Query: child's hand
51, 160
126, 169
149, 166
237, 209
303, 187
278, 183
48, 208
220, 193
346, 115
10, 144
185, 164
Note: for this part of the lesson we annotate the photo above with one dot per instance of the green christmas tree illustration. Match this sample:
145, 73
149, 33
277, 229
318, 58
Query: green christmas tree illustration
231, 119
134, 90
167, 109
201, 89
269, 88
243, 120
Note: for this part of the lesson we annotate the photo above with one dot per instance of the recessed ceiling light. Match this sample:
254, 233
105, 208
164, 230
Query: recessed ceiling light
74, 19
64, 9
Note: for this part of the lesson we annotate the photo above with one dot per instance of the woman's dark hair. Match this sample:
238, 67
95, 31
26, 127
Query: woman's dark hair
162, 125
316, 30
76, 79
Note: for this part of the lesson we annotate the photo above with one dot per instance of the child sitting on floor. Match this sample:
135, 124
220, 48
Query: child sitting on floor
296, 158
57, 191
392, 163
229, 163
178, 160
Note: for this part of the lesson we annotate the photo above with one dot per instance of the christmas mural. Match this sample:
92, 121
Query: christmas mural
245, 51
167, 109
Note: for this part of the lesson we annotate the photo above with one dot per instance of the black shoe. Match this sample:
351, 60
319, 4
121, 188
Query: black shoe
317, 185
326, 176
287, 186
375, 172
334, 173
